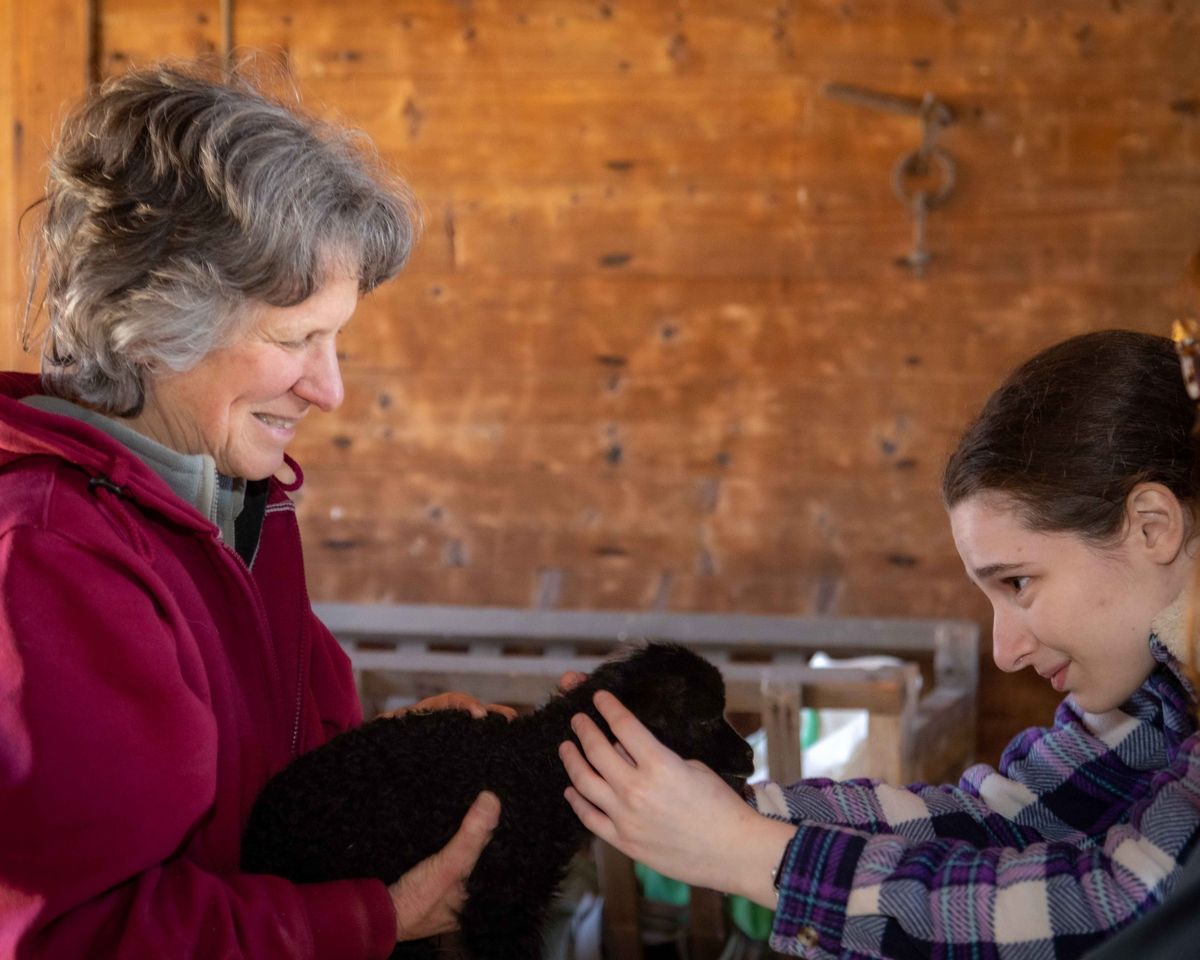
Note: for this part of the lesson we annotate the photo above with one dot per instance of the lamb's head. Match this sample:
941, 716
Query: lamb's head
680, 697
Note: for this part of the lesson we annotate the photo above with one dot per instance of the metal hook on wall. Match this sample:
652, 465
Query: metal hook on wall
915, 166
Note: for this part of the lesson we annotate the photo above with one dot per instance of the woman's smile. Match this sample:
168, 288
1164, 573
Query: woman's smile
283, 426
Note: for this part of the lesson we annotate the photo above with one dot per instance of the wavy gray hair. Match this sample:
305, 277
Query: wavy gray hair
178, 197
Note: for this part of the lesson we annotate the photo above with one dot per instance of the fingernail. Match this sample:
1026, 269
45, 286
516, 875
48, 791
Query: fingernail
491, 803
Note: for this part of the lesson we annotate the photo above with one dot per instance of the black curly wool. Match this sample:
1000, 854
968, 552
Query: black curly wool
376, 800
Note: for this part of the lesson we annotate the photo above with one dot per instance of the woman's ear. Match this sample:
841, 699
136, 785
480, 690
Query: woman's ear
1156, 522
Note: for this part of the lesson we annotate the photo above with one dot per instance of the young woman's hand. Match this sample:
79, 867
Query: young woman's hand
454, 700
674, 815
430, 896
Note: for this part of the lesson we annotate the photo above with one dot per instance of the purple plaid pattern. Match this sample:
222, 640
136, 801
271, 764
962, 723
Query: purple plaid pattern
1079, 831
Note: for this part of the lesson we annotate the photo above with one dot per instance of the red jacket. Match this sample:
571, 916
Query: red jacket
150, 683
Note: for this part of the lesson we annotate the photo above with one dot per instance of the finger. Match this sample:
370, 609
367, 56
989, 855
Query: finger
600, 753
584, 778
463, 850
425, 904
591, 816
456, 700
570, 680
441, 701
503, 710
639, 742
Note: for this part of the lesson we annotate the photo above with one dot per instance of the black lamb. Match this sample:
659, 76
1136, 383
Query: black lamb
376, 800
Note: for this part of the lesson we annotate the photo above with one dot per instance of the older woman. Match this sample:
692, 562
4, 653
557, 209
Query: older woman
202, 248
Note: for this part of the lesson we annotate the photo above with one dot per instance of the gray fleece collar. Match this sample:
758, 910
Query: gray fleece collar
192, 477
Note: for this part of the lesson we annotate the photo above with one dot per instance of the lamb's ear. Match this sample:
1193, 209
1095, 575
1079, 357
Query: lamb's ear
659, 700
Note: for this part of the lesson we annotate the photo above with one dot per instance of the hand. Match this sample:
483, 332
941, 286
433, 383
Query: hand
570, 680
430, 896
674, 815
454, 700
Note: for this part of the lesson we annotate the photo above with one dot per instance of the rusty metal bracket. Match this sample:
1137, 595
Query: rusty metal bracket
916, 165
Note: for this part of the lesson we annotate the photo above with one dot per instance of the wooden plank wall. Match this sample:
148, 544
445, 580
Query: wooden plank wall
43, 63
656, 350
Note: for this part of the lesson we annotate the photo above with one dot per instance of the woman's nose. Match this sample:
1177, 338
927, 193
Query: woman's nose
1011, 643
321, 384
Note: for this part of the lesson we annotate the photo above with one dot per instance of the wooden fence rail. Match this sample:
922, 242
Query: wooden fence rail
921, 710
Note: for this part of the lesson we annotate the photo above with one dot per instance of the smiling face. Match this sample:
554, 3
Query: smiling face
242, 403
1079, 615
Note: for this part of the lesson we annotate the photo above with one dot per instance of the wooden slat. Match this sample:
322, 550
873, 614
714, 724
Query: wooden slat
388, 622
646, 424
638, 37
9, 273
706, 924
731, 132
139, 32
945, 721
523, 679
782, 703
633, 325
756, 233
33, 100
855, 590
620, 917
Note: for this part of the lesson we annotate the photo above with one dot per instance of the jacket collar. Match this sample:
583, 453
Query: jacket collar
27, 431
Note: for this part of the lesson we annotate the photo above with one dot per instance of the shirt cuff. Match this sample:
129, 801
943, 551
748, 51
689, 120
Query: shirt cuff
350, 918
815, 880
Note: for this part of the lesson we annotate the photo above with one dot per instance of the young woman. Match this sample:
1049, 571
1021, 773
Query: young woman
1071, 500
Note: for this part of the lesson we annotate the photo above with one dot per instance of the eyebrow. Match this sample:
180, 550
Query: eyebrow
983, 573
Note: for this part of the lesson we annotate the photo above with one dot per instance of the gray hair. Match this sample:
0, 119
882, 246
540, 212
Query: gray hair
178, 197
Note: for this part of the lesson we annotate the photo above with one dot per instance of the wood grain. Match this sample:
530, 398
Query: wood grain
45, 67
655, 349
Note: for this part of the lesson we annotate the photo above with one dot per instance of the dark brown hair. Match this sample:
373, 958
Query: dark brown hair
1074, 429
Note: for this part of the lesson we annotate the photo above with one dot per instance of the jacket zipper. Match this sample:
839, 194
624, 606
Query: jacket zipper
265, 627
269, 638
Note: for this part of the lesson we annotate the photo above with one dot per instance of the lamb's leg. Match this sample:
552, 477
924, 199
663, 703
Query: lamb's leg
510, 932
415, 950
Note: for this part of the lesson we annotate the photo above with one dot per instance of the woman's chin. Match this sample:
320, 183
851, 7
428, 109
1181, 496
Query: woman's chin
259, 467
1096, 703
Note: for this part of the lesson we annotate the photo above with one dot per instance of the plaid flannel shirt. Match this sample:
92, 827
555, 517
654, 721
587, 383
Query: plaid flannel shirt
1078, 832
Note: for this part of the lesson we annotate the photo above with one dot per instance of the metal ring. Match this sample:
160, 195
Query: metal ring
908, 166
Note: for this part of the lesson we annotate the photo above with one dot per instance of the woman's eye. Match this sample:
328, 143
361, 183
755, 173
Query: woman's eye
1017, 584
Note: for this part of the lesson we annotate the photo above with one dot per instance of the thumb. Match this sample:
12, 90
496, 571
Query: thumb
459, 855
